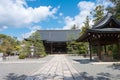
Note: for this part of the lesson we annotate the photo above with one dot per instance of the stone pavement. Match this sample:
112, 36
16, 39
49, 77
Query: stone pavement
59, 68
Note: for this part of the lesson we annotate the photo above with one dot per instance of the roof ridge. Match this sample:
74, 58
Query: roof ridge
61, 30
109, 15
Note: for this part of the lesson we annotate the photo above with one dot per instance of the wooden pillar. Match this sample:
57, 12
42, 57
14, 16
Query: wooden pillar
99, 52
118, 46
119, 51
105, 50
51, 48
90, 49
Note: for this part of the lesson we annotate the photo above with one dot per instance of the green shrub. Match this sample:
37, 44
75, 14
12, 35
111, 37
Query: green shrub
22, 56
116, 56
43, 54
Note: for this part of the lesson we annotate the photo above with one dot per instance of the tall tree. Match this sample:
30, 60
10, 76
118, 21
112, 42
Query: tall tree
74, 27
74, 47
98, 13
38, 44
115, 9
86, 25
83, 46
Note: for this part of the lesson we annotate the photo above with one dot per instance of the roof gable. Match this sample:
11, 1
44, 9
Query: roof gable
107, 21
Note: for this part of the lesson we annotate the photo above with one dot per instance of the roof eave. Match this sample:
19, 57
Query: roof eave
83, 36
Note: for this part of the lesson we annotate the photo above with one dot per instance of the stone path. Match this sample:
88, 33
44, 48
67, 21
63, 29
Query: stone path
59, 68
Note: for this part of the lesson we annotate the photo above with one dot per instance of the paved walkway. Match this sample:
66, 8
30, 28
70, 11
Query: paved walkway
59, 68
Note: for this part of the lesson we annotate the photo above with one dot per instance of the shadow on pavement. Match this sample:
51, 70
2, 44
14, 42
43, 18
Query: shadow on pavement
84, 61
82, 76
13, 76
108, 76
86, 76
115, 66
100, 76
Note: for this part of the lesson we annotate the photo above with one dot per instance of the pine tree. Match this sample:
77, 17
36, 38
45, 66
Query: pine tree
74, 27
98, 13
34, 41
38, 44
115, 10
86, 25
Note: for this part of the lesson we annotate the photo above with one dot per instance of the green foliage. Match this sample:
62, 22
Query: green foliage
22, 56
8, 44
86, 25
77, 47
74, 47
115, 9
26, 47
115, 56
35, 41
74, 27
83, 48
98, 13
43, 54
114, 49
115, 52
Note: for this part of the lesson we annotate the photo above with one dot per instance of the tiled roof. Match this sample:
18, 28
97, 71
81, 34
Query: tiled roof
59, 35
104, 21
108, 24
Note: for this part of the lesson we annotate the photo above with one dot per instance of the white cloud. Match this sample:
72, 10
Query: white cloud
60, 14
16, 13
84, 5
85, 8
26, 35
105, 3
34, 28
53, 29
3, 27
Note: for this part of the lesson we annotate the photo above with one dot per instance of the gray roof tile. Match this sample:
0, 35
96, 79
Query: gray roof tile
104, 21
59, 35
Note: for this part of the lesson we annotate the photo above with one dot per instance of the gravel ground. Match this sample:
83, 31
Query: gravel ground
95, 71
15, 69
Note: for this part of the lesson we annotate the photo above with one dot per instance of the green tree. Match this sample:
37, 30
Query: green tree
25, 48
70, 49
98, 13
74, 27
83, 46
115, 10
35, 40
74, 47
86, 25
8, 44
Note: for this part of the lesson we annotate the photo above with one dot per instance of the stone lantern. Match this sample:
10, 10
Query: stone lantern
32, 50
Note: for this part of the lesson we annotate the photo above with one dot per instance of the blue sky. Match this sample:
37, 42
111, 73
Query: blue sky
20, 18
